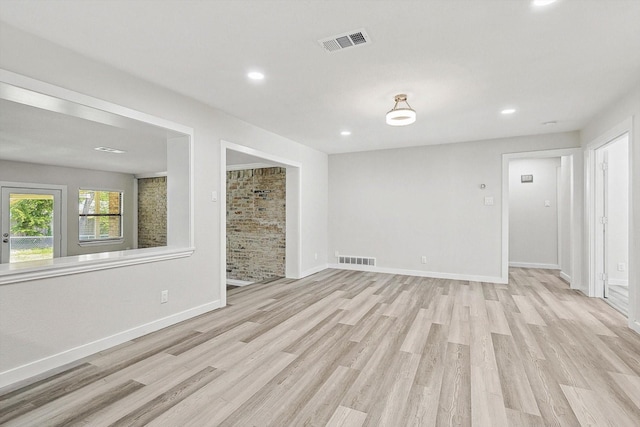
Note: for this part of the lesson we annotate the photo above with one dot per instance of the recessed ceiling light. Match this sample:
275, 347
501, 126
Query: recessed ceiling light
345, 133
542, 3
508, 111
255, 75
110, 150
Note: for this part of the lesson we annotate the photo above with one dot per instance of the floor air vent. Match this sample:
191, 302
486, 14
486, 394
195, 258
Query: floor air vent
356, 260
343, 41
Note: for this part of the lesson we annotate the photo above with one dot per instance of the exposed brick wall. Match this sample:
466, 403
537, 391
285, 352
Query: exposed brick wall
152, 212
256, 223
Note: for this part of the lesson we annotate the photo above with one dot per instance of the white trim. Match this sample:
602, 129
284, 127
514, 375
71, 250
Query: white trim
101, 242
419, 273
634, 324
26, 271
506, 158
63, 207
565, 277
150, 175
134, 220
18, 88
248, 166
294, 170
41, 366
235, 282
280, 161
618, 282
89, 101
534, 265
624, 127
313, 270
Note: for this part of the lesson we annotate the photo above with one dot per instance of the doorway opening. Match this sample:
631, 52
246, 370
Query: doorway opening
256, 221
611, 203
32, 225
537, 212
539, 215
262, 236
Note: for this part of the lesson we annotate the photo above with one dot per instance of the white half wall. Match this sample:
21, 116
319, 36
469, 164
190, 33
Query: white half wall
46, 323
400, 205
533, 213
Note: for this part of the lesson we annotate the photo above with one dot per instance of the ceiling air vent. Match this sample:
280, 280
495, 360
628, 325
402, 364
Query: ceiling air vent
343, 41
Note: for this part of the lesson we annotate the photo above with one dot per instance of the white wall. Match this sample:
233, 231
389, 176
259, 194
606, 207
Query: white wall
75, 179
400, 205
564, 219
46, 322
628, 106
618, 211
533, 226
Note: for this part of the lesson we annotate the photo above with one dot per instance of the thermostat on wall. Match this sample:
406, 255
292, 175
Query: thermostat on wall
526, 178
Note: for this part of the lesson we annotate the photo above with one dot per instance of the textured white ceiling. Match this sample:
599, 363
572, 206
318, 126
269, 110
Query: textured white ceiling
460, 62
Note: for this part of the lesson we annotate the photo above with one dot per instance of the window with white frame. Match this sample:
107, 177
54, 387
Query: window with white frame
100, 215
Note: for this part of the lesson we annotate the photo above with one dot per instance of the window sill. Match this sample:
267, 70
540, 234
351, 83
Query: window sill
34, 270
104, 242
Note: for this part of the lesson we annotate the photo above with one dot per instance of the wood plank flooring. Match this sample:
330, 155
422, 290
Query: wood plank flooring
346, 348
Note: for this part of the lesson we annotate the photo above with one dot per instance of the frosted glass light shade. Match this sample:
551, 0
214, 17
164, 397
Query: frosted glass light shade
401, 117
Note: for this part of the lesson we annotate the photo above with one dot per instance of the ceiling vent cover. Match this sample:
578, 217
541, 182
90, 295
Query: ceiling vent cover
346, 40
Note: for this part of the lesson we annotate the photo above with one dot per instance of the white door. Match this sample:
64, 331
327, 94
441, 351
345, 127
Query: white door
30, 225
612, 221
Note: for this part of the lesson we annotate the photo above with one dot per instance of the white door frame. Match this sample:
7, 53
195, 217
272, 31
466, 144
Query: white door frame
591, 169
293, 251
572, 154
600, 210
60, 201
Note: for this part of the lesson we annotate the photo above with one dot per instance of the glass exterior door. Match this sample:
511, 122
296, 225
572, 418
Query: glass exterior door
30, 224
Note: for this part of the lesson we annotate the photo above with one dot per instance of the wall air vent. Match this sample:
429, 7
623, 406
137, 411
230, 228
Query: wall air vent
343, 41
356, 260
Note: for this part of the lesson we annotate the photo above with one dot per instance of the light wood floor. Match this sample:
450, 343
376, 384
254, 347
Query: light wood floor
345, 348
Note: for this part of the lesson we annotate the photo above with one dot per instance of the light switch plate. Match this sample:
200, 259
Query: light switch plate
488, 201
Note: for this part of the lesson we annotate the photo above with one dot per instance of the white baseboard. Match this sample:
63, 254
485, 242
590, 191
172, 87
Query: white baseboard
618, 282
313, 270
235, 282
534, 265
420, 273
38, 367
565, 277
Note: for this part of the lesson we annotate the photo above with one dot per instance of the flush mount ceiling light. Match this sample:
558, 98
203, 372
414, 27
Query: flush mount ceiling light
508, 111
542, 3
345, 133
401, 116
255, 75
110, 150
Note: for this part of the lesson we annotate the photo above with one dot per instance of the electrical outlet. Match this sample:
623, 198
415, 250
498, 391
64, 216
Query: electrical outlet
316, 255
164, 296
423, 259
622, 266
